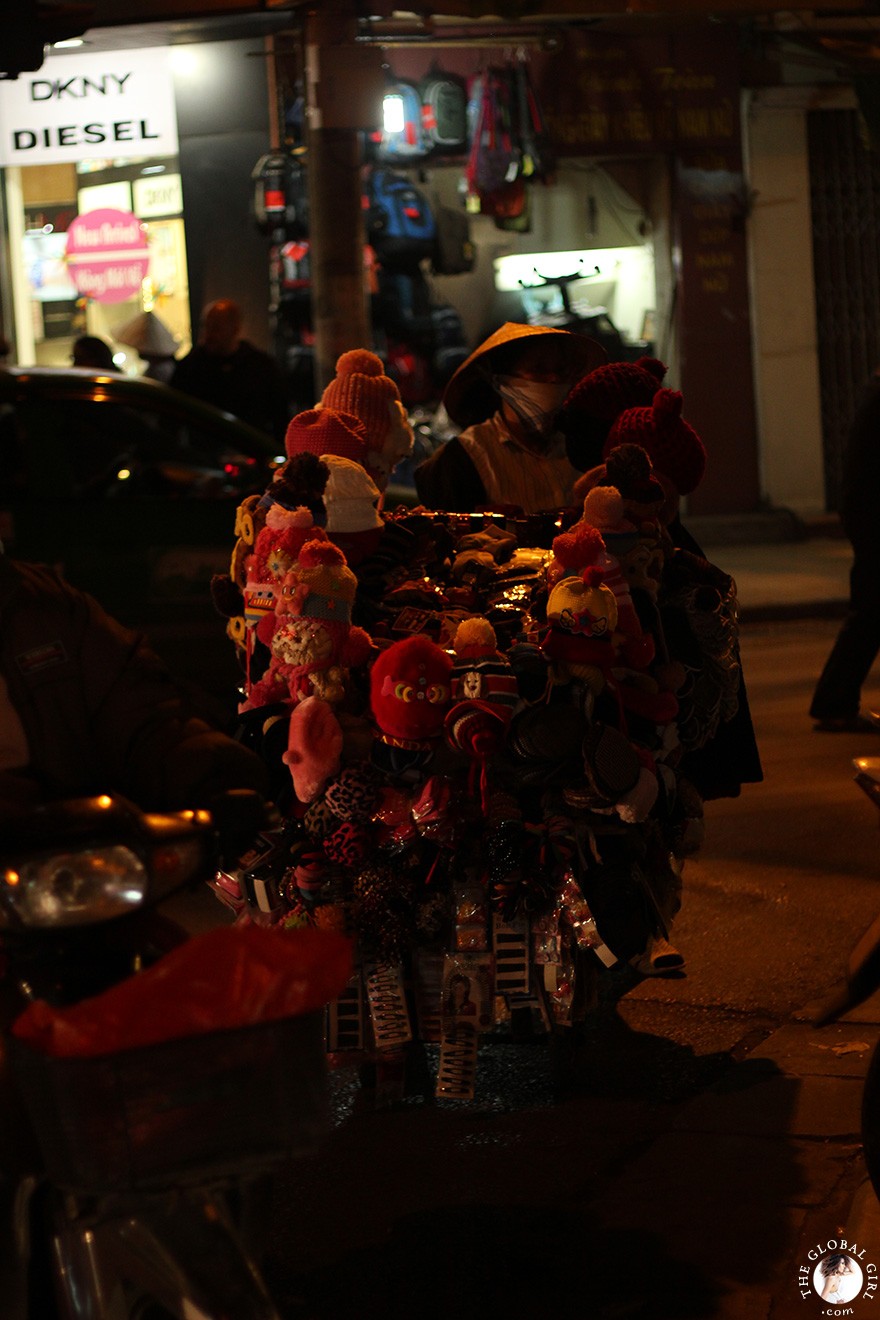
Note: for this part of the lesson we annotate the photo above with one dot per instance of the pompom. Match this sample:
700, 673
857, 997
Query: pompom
582, 545
667, 407
626, 464
652, 365
317, 552
357, 648
475, 636
278, 517
593, 577
360, 361
603, 507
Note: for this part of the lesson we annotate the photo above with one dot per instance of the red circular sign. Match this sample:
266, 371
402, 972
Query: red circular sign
107, 254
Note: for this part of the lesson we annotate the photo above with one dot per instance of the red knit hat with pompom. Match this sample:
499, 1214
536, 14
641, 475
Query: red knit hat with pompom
675, 449
327, 431
608, 391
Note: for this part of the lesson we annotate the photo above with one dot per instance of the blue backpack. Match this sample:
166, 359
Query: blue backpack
401, 227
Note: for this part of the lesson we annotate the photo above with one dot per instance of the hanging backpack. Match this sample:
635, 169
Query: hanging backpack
536, 158
444, 110
400, 224
454, 252
296, 268
495, 156
409, 141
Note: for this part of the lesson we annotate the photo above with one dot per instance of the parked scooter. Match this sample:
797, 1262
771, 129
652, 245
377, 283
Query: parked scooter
862, 980
121, 1169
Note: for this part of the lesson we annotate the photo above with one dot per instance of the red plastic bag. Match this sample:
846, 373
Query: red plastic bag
234, 976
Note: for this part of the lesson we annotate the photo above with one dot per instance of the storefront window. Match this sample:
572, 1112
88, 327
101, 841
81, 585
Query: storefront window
50, 199
93, 239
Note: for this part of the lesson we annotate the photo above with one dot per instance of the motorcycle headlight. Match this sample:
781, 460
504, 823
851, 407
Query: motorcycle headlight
72, 888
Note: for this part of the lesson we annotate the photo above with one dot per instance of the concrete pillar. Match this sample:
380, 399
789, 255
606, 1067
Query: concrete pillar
340, 315
785, 335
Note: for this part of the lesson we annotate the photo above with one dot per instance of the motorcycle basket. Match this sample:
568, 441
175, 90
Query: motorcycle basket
192, 1110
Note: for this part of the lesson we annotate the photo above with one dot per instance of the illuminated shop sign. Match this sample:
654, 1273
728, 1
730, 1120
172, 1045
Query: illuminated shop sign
118, 104
107, 254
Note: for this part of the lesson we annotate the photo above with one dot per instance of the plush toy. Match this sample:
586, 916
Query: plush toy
410, 692
484, 691
313, 644
480, 672
275, 551
295, 493
582, 614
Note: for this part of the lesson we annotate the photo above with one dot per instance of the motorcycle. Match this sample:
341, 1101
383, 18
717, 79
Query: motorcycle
122, 1168
862, 979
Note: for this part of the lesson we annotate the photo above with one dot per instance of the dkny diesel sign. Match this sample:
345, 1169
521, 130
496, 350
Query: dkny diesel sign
77, 107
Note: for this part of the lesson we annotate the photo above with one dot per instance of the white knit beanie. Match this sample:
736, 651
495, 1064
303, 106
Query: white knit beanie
350, 496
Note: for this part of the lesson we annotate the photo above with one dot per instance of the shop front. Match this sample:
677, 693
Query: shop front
126, 189
642, 216
93, 203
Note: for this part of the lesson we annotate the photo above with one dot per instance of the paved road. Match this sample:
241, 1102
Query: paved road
707, 1135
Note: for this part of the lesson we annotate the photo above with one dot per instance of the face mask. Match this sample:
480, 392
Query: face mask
535, 402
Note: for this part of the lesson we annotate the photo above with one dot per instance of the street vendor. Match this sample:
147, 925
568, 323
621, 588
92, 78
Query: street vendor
506, 396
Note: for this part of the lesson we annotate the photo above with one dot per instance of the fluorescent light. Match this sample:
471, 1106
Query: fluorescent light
68, 44
392, 114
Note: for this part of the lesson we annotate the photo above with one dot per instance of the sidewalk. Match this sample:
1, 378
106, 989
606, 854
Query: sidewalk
779, 579
779, 1137
795, 1112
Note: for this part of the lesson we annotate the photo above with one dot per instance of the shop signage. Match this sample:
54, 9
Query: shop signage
677, 91
117, 104
107, 254
161, 194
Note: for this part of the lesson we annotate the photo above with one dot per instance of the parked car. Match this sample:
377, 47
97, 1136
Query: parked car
130, 488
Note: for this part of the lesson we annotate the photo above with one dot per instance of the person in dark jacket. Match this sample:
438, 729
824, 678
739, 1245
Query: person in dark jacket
837, 697
86, 707
230, 372
90, 351
506, 396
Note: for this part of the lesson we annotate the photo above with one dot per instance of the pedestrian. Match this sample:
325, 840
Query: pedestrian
90, 351
228, 371
506, 397
837, 698
86, 707
154, 344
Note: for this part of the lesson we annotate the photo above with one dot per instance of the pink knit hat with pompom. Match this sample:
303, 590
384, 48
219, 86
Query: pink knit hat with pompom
362, 388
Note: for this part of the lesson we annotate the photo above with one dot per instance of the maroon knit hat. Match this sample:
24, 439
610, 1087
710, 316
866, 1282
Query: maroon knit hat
326, 431
675, 449
606, 392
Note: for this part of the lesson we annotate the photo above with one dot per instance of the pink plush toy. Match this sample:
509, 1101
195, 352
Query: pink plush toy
313, 643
